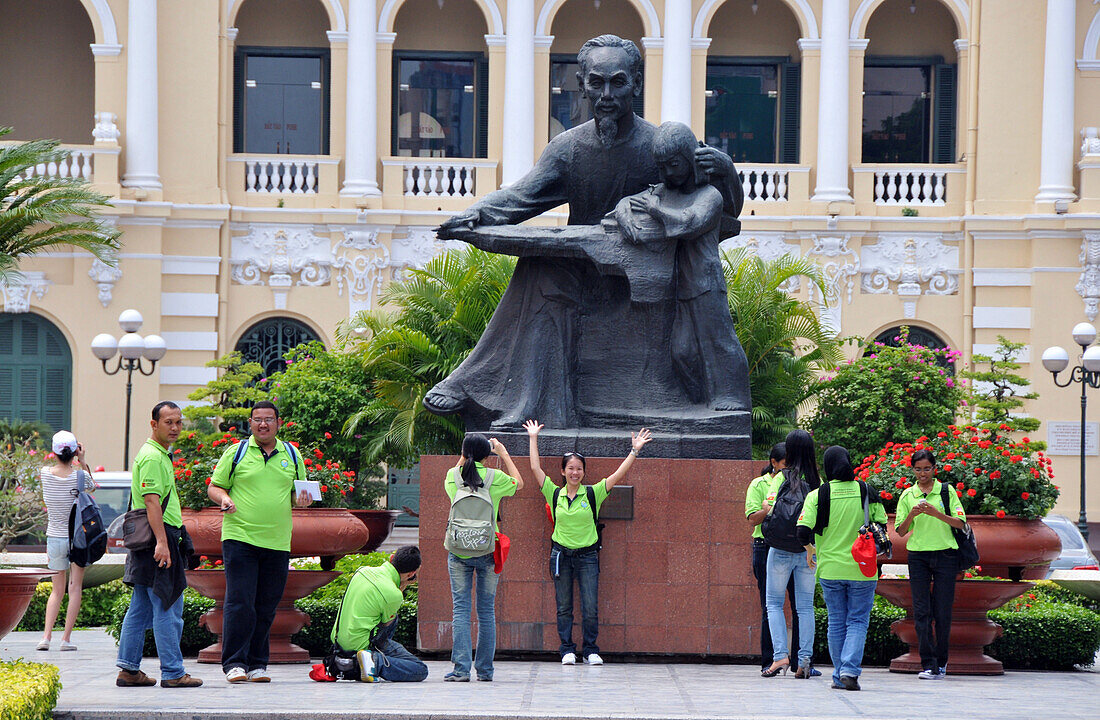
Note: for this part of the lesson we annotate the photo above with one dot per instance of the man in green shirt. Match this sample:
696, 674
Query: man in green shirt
255, 490
156, 574
368, 619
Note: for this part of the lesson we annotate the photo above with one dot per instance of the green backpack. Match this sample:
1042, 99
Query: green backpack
470, 531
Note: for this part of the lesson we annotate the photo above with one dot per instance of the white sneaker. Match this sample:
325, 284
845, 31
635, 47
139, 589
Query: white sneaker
569, 659
594, 659
236, 675
367, 670
259, 675
927, 675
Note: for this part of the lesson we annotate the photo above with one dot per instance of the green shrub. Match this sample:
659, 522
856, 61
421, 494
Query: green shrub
1044, 635
194, 638
28, 691
346, 565
882, 645
96, 606
1053, 592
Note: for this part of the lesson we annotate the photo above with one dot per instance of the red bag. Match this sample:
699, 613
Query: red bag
318, 673
865, 554
500, 552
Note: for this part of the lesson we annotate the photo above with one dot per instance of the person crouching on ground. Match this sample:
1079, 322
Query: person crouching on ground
475, 492
368, 618
849, 592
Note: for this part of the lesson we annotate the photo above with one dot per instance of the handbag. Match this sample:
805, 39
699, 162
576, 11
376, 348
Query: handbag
964, 537
884, 547
137, 534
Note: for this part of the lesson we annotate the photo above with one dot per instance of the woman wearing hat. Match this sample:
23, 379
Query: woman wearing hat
60, 486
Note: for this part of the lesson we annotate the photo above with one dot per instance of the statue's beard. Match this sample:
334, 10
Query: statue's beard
607, 128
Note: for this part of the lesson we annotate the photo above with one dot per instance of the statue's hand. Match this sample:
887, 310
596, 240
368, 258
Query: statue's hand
645, 203
713, 161
468, 220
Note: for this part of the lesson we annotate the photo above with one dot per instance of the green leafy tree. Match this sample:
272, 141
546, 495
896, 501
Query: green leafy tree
229, 397
890, 394
440, 313
41, 213
784, 341
993, 408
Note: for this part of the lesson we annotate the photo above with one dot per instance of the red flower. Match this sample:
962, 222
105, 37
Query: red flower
187, 473
898, 484
289, 423
995, 475
191, 436
328, 436
217, 562
236, 441
324, 488
307, 461
947, 467
941, 434
1000, 513
203, 558
886, 496
967, 455
1025, 495
960, 486
294, 443
209, 480
968, 575
971, 492
199, 446
978, 471
177, 451
351, 488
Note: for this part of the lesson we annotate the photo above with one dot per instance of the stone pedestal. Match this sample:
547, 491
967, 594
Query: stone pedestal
675, 578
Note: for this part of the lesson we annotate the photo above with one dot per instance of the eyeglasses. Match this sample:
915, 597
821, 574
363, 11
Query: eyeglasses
265, 420
573, 454
924, 469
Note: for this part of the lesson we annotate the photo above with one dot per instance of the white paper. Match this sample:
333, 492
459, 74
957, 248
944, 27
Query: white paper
311, 486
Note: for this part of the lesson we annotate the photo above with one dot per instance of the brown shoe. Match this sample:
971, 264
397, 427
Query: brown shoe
134, 679
185, 681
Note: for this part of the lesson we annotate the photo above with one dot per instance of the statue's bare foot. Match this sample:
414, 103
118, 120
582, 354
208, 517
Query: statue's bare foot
727, 404
442, 403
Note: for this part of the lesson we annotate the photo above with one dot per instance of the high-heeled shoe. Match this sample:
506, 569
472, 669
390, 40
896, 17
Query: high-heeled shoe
803, 672
776, 668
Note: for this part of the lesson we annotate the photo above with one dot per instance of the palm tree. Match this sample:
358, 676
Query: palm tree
784, 340
441, 312
39, 212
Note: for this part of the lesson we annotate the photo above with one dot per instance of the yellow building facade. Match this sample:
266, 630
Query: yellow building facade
275, 163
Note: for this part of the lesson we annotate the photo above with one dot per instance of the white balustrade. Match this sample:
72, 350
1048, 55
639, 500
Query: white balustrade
436, 178
77, 163
275, 174
911, 186
764, 184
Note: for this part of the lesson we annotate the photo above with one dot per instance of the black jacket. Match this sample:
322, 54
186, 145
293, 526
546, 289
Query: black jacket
167, 583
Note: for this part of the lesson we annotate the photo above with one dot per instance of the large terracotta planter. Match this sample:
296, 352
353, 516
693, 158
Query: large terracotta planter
379, 523
1009, 547
315, 531
288, 619
971, 628
16, 590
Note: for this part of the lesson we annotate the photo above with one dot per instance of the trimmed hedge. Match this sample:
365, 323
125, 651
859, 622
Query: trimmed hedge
881, 647
28, 691
96, 606
194, 638
1045, 636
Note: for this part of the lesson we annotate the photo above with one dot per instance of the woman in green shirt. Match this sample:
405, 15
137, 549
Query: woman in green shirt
933, 559
574, 548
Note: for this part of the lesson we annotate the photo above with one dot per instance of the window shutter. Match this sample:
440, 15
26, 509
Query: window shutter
481, 145
55, 397
239, 59
7, 393
943, 114
30, 401
790, 111
7, 336
29, 339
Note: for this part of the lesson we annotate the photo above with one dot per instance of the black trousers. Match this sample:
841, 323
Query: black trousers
760, 570
255, 578
932, 581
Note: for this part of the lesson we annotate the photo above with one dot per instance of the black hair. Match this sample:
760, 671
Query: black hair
163, 404
923, 454
262, 405
838, 464
406, 559
801, 462
565, 459
612, 41
475, 448
779, 452
65, 455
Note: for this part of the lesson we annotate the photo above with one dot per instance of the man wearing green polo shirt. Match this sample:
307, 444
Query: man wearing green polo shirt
255, 490
156, 574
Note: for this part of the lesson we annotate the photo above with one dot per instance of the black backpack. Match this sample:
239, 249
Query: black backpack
87, 533
780, 526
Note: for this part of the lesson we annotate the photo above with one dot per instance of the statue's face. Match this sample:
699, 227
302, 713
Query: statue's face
607, 82
675, 170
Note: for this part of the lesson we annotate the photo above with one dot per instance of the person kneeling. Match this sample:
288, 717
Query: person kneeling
367, 620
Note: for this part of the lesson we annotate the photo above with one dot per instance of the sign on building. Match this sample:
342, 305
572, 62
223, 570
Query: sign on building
1064, 438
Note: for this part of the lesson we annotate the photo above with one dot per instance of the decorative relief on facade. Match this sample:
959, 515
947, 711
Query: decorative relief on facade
274, 254
840, 265
1090, 143
767, 247
104, 276
910, 265
415, 249
105, 130
1088, 286
360, 261
17, 290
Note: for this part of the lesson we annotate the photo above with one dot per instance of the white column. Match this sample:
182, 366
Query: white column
518, 152
142, 126
676, 63
361, 141
1056, 163
832, 106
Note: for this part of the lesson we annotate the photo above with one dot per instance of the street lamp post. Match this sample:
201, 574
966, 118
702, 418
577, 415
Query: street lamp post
1056, 359
131, 348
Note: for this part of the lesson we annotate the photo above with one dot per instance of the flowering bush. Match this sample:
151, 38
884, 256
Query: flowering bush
991, 473
21, 506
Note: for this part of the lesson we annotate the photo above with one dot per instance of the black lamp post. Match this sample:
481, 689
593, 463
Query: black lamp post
1087, 373
131, 348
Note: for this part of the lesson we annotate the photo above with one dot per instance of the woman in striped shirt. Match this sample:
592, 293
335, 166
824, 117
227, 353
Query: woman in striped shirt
59, 490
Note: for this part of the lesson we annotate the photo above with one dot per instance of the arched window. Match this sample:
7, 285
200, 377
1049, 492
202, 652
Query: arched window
36, 371
268, 340
917, 336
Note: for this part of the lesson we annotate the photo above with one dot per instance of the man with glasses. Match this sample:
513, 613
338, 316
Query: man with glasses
254, 487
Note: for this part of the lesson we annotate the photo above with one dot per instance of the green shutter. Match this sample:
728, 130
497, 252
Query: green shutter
790, 111
943, 114
7, 393
36, 373
56, 398
481, 145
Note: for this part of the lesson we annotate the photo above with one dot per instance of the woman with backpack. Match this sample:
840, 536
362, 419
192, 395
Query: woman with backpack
787, 557
60, 486
930, 511
475, 492
574, 547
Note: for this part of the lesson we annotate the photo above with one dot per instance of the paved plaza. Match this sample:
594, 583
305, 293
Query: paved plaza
546, 690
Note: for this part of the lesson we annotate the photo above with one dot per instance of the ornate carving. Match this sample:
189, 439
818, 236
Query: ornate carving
415, 250
1088, 286
17, 289
105, 130
911, 261
280, 251
1090, 142
360, 261
767, 247
840, 265
104, 276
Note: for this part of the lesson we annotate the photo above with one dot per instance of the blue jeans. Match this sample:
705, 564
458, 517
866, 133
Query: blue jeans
463, 571
760, 571
255, 578
585, 567
849, 603
148, 611
392, 661
782, 566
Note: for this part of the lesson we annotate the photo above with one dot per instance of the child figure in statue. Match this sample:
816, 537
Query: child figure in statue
684, 208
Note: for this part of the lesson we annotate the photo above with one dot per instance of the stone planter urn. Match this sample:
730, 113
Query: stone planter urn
16, 591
